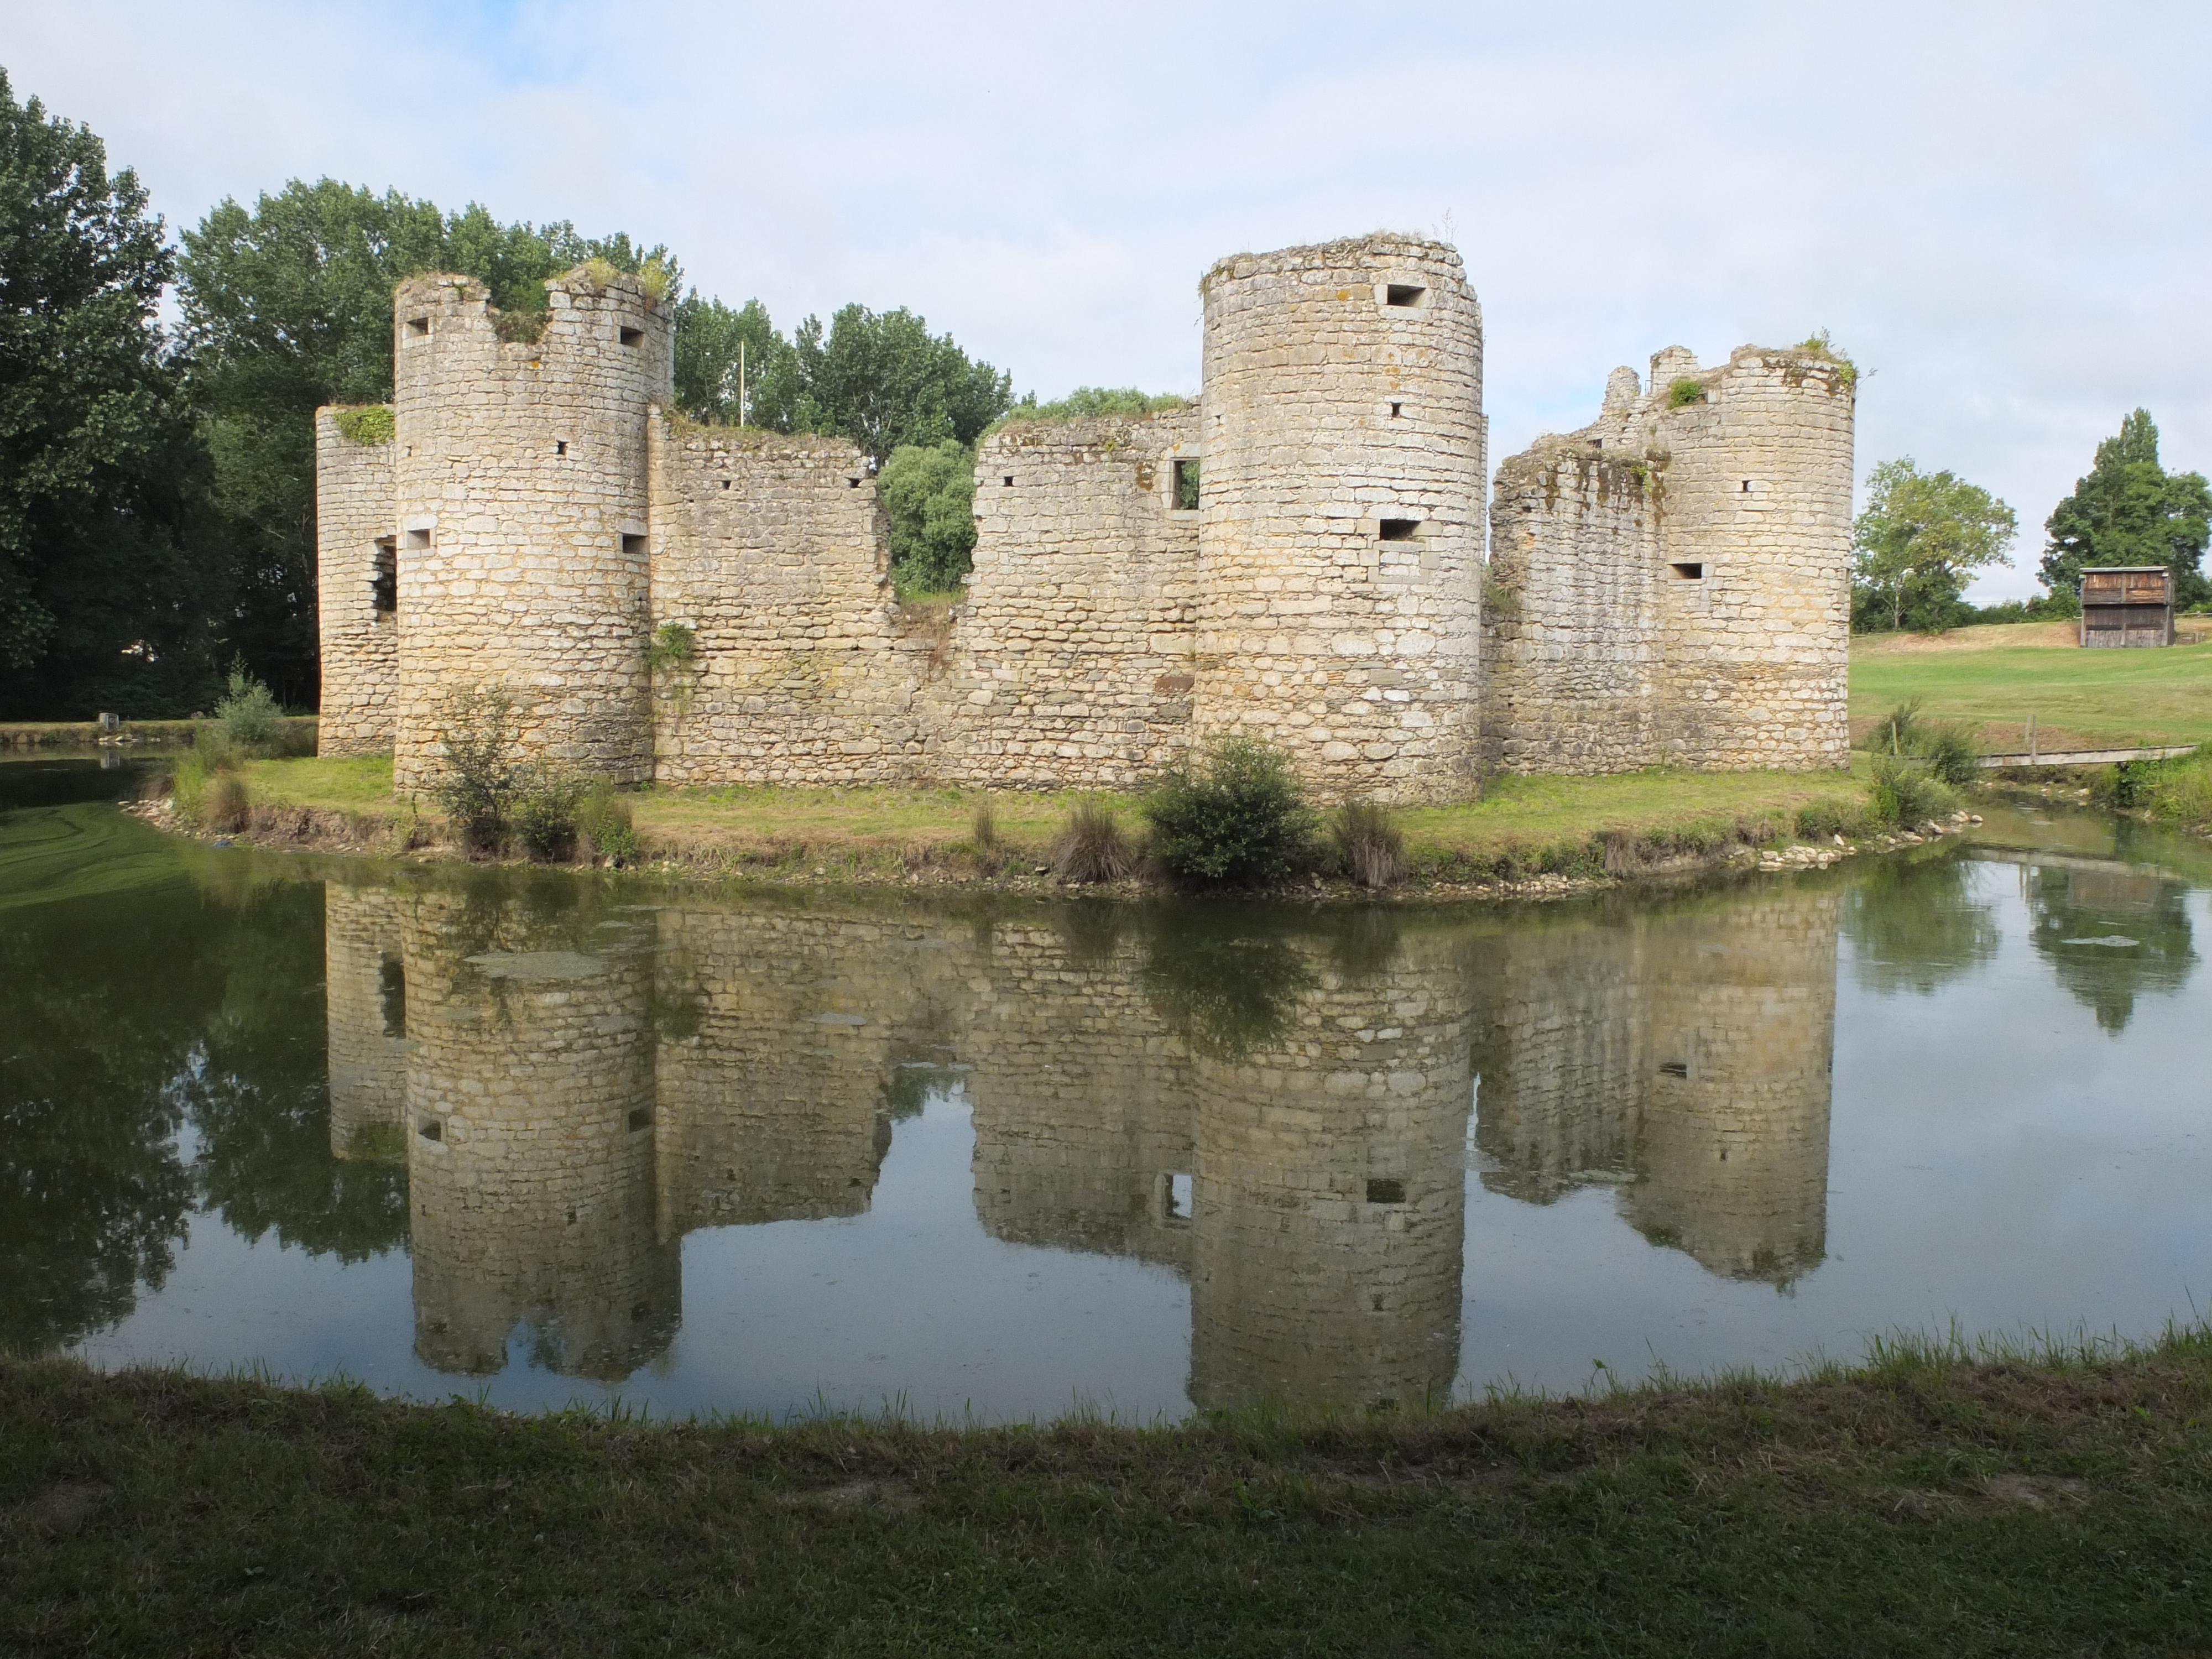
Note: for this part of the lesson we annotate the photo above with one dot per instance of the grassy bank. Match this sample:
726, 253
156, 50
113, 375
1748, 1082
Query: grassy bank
299, 733
1523, 827
2080, 699
1933, 1501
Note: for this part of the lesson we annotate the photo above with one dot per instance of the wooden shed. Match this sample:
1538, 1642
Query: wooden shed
2127, 606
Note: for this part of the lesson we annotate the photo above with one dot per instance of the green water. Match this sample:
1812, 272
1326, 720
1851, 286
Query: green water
547, 1137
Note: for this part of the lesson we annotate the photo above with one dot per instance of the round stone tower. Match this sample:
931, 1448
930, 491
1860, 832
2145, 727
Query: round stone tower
1753, 563
1340, 498
522, 502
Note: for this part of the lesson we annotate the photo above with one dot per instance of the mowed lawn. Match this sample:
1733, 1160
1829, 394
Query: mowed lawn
2079, 699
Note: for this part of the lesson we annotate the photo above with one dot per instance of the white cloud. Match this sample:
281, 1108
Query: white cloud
1999, 208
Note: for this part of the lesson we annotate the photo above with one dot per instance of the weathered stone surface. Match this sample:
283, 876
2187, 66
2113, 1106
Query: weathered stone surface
1326, 594
1671, 585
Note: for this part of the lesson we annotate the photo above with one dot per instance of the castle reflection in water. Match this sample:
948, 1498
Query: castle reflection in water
1282, 1119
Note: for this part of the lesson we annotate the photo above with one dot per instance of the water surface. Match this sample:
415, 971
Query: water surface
544, 1137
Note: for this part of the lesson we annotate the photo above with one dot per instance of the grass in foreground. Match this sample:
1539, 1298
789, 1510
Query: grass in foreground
1930, 1502
2080, 699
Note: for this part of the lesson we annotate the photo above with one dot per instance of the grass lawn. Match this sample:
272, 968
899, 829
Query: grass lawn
1521, 824
2080, 699
1927, 1503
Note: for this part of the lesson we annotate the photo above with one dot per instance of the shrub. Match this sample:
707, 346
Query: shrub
603, 819
1685, 392
1904, 792
674, 649
1951, 753
2180, 791
1369, 844
985, 832
1091, 846
1236, 818
543, 812
247, 715
1899, 730
478, 730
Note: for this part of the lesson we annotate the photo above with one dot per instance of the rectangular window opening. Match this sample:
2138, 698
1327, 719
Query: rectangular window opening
1399, 530
1403, 293
418, 326
559, 445
430, 1128
1674, 1068
1383, 1190
1746, 486
726, 484
1008, 484
631, 336
384, 583
1175, 1198
642, 1118
633, 546
1687, 572
852, 483
392, 988
1397, 411
1185, 485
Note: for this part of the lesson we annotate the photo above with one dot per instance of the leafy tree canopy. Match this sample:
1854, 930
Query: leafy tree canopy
723, 355
2131, 510
882, 379
928, 493
287, 306
1097, 400
103, 569
1922, 536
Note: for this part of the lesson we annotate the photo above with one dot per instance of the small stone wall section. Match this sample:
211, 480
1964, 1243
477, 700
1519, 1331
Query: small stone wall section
354, 505
1071, 662
1670, 586
772, 550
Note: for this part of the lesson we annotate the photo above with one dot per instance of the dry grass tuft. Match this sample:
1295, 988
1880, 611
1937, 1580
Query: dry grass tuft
1091, 846
1369, 843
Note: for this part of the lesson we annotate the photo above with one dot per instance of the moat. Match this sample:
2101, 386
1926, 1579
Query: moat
541, 1138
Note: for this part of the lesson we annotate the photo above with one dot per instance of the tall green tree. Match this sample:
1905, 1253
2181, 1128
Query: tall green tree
1921, 537
882, 379
2131, 510
105, 580
712, 370
928, 493
287, 305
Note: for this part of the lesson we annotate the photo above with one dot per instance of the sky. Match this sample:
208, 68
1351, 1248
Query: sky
1999, 210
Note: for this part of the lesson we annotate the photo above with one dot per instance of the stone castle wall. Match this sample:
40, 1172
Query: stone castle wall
1069, 661
1670, 586
522, 484
1341, 553
356, 487
772, 550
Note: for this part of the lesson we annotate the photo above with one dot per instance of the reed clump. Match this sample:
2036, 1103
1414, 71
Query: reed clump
1369, 846
1092, 847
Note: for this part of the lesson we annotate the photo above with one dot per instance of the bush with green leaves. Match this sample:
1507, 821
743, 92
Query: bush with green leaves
1232, 816
1904, 792
247, 715
603, 819
542, 814
478, 730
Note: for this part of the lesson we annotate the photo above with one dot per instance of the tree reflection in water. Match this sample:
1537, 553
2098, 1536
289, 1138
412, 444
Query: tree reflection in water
2111, 933
1915, 924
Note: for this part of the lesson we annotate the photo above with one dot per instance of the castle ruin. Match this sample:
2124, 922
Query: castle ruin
1668, 587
